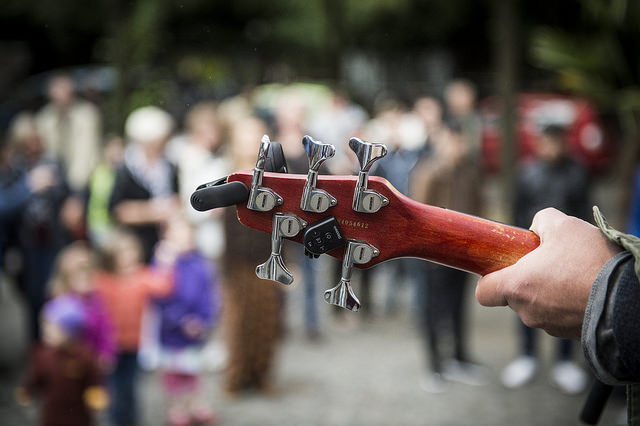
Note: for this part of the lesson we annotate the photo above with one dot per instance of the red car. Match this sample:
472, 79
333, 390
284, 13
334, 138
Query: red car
586, 137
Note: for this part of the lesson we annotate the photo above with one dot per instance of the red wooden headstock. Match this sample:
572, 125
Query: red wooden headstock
403, 228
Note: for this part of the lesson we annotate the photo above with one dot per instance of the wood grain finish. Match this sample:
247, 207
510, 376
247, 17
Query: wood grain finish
404, 228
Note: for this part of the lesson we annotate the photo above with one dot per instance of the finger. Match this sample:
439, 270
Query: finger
545, 220
489, 290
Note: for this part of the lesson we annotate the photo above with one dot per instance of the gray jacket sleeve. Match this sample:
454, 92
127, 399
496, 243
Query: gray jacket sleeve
611, 327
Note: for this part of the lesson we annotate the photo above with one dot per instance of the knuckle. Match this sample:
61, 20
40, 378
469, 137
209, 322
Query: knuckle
549, 211
548, 221
531, 320
482, 295
546, 214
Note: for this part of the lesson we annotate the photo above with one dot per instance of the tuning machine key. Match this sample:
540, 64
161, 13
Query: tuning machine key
284, 225
313, 199
356, 252
366, 200
261, 198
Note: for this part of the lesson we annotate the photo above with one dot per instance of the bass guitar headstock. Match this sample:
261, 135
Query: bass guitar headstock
342, 216
361, 219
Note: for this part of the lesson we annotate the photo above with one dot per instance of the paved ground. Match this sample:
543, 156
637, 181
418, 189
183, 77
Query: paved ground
360, 373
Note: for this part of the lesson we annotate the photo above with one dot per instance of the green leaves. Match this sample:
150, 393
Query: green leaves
599, 62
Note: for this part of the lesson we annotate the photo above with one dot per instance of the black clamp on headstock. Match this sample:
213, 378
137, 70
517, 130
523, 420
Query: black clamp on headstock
221, 193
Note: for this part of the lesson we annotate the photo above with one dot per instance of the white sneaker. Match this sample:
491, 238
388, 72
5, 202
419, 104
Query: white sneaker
519, 372
569, 377
464, 372
433, 383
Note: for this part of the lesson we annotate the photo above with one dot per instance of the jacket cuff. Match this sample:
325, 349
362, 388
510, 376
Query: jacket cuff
595, 313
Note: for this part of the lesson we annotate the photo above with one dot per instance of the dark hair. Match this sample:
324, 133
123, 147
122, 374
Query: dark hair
555, 132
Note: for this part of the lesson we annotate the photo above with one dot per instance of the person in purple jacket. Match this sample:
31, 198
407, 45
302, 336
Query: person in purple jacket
186, 317
74, 275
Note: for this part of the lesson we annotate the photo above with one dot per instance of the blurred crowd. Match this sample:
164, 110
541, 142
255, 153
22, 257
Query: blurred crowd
119, 272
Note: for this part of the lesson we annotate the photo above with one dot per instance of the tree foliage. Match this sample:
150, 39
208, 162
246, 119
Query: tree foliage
601, 61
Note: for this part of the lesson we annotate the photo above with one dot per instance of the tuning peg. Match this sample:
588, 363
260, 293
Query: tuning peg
284, 225
356, 252
366, 200
261, 198
316, 200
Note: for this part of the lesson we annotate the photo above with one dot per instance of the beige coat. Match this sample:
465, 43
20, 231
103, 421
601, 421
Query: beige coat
73, 138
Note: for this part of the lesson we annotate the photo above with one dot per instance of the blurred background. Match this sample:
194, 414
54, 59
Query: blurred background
113, 112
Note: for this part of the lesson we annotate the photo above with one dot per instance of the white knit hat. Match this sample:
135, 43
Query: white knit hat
148, 124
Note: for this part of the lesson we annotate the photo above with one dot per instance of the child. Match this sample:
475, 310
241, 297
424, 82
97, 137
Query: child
75, 275
63, 371
185, 317
126, 288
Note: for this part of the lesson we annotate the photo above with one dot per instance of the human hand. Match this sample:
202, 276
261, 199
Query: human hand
165, 254
164, 208
96, 397
550, 286
41, 178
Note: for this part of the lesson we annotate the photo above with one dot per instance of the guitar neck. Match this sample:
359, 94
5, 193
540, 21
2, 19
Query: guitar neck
463, 241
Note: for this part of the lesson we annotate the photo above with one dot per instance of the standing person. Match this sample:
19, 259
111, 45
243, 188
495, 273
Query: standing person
460, 99
99, 221
405, 139
447, 179
72, 131
61, 371
336, 124
75, 276
40, 230
16, 189
186, 317
126, 287
290, 117
429, 110
201, 157
145, 188
553, 179
252, 307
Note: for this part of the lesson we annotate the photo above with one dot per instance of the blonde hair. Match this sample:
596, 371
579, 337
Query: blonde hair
112, 246
21, 128
59, 283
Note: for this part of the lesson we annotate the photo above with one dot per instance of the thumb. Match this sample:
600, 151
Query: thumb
489, 290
